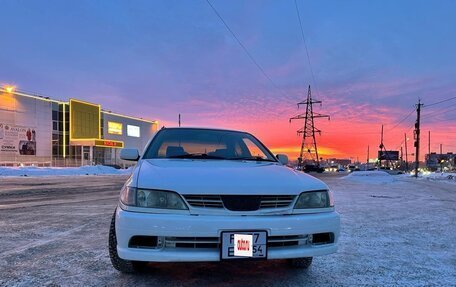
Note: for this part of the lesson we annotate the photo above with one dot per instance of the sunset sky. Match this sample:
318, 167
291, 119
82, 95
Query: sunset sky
372, 61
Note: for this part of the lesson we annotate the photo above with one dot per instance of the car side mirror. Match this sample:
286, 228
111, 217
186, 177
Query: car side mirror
131, 154
283, 158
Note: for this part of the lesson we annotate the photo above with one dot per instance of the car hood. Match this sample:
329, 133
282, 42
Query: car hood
187, 176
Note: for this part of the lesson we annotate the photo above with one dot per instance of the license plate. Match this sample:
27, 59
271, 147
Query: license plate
243, 244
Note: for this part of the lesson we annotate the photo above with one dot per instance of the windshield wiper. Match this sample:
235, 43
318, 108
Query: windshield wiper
197, 156
256, 158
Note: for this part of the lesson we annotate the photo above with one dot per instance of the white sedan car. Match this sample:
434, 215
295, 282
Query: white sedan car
210, 195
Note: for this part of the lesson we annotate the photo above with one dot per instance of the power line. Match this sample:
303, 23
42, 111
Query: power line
242, 45
440, 112
443, 113
403, 141
450, 119
401, 121
439, 102
307, 50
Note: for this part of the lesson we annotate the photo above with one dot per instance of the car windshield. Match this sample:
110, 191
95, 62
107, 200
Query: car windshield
207, 144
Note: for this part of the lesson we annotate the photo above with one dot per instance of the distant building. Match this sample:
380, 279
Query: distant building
337, 161
36, 130
367, 166
435, 161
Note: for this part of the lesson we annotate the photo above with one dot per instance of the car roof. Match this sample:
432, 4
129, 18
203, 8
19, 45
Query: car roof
205, 128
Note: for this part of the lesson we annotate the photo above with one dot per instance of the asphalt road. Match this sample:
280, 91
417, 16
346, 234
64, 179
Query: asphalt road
53, 231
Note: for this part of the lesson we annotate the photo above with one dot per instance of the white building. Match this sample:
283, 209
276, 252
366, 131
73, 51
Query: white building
36, 130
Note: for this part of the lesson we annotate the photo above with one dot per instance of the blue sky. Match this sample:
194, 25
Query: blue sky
372, 60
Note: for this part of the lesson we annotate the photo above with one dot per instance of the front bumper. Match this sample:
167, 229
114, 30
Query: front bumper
129, 224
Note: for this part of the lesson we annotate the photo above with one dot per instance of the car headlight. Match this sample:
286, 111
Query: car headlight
314, 199
150, 198
128, 195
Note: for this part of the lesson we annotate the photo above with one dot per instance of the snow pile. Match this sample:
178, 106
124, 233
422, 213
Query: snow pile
445, 176
374, 177
58, 171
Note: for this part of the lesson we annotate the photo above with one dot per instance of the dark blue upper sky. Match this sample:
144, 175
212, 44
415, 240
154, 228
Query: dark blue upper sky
371, 59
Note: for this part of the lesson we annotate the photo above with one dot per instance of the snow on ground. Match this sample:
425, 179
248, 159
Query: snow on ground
446, 176
373, 177
58, 171
382, 177
54, 232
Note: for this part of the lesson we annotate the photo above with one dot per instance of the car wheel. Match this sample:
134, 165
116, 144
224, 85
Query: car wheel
303, 263
124, 266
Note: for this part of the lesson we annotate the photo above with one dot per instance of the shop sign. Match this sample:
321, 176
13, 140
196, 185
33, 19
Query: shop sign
109, 143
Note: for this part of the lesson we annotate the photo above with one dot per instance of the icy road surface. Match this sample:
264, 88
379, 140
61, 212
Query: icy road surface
53, 231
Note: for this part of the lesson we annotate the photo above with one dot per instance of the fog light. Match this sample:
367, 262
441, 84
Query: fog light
322, 238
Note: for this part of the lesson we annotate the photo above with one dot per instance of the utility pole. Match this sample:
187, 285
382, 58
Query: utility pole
309, 143
417, 136
429, 148
406, 156
381, 149
429, 142
441, 159
179, 120
402, 157
367, 160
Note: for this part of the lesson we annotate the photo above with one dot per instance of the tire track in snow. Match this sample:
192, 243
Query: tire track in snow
53, 202
37, 243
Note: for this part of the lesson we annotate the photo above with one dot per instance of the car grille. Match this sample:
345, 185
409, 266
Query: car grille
213, 242
214, 201
239, 202
275, 201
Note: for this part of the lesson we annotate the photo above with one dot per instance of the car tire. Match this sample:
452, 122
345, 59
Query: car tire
302, 263
122, 265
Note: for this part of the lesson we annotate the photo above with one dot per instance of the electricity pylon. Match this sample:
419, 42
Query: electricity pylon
309, 150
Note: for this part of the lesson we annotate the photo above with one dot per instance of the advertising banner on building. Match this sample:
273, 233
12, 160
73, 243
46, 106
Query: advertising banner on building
388, 155
84, 120
17, 140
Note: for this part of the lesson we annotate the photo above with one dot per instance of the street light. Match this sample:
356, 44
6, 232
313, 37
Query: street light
9, 89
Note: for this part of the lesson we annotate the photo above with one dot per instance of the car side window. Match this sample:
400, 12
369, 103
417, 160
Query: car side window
252, 148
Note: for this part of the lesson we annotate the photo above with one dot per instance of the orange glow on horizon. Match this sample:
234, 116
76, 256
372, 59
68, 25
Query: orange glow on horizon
341, 138
347, 137
293, 151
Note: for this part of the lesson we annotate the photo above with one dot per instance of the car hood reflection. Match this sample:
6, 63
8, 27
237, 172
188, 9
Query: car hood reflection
223, 177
